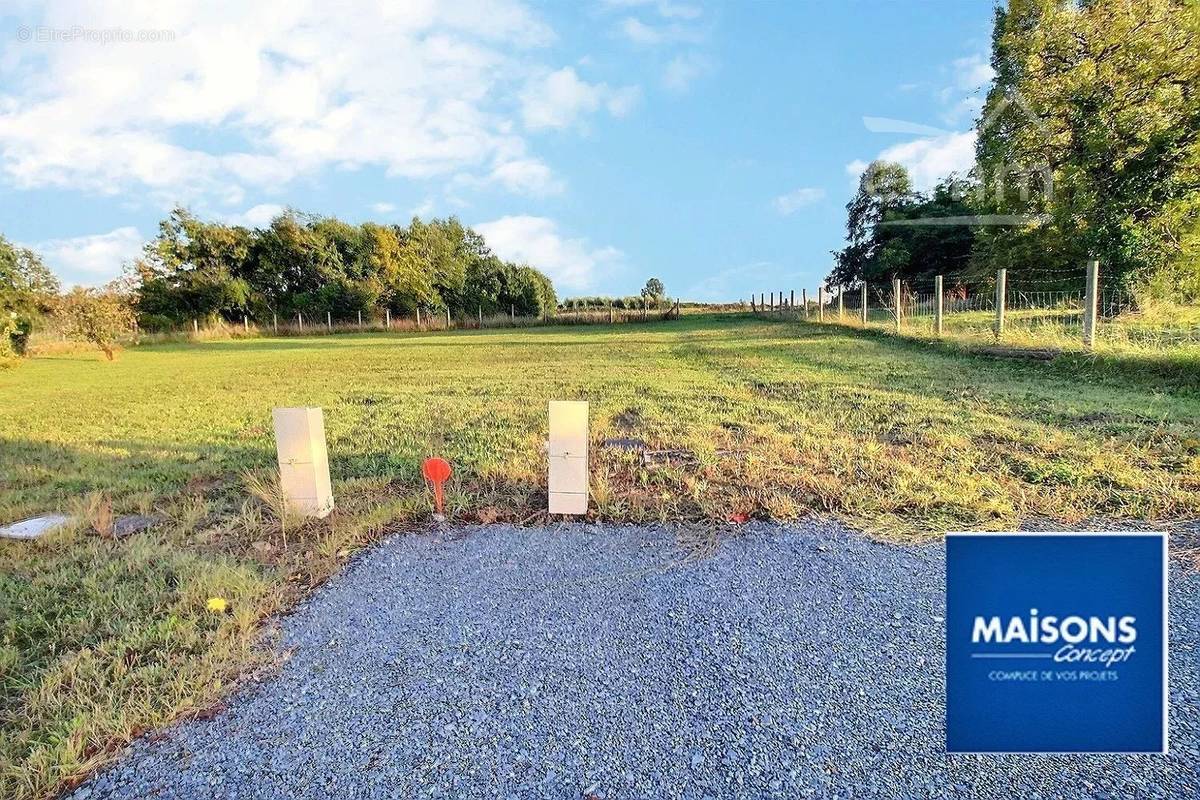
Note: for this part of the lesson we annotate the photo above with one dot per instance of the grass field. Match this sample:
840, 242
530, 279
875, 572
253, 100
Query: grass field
771, 418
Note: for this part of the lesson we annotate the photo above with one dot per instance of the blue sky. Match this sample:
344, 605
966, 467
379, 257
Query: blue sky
713, 145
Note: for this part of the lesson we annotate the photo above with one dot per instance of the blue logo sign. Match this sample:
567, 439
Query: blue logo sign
1056, 643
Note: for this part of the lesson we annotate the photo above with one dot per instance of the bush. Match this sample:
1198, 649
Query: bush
156, 323
99, 316
9, 331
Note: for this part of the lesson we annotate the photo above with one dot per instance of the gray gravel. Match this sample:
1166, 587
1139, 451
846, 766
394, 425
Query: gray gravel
557, 663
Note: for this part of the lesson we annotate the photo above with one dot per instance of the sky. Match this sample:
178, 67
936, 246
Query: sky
711, 145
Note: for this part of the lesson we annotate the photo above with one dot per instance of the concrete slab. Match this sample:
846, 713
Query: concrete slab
34, 528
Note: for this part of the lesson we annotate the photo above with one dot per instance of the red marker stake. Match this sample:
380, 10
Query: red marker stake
437, 471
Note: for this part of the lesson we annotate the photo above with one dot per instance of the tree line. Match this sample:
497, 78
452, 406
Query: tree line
317, 265
1088, 146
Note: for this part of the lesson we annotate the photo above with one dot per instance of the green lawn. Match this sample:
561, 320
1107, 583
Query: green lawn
767, 418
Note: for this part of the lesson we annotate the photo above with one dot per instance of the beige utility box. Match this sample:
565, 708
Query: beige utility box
568, 456
303, 460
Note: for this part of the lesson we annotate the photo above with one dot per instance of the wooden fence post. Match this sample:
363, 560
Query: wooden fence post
387, 318
512, 313
821, 303
864, 302
418, 318
772, 301
610, 313
896, 301
274, 322
447, 317
360, 320
1001, 291
245, 324
792, 299
195, 326
841, 302
804, 301
481, 318
299, 320
1090, 298
937, 305
329, 320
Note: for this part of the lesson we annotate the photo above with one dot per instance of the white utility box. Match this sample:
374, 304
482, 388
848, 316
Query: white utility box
568, 456
303, 460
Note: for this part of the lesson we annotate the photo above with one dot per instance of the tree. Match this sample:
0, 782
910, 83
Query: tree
319, 265
98, 316
891, 229
26, 284
1102, 96
27, 291
654, 290
194, 269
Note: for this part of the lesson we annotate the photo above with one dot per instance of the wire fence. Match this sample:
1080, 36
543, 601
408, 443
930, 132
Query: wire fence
1058, 308
51, 335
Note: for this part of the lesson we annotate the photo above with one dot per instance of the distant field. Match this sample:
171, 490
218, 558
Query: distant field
744, 417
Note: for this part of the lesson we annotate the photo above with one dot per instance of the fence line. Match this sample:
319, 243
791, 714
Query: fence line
1059, 307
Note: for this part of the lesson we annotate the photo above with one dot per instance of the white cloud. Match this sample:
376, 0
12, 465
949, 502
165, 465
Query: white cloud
383, 208
253, 95
639, 32
527, 176
931, 159
259, 216
730, 285
91, 260
557, 99
793, 201
665, 8
683, 69
972, 72
425, 209
573, 264
856, 168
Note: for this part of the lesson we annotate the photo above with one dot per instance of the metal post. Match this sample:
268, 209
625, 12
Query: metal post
864, 302
1001, 291
359, 319
841, 302
821, 303
937, 305
772, 301
1091, 296
481, 317
274, 322
896, 301
447, 317
195, 326
387, 318
512, 312
299, 320
245, 324
418, 317
792, 299
610, 313
329, 320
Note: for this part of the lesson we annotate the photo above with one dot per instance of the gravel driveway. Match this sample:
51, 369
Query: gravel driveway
501, 662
